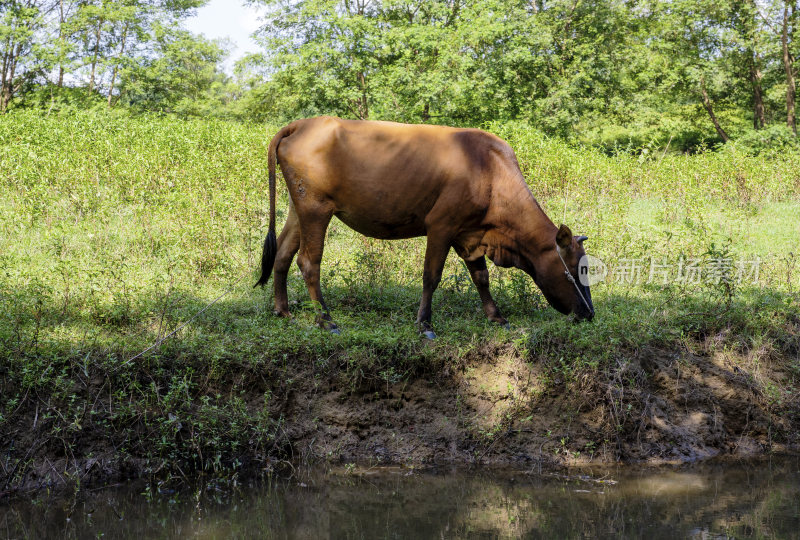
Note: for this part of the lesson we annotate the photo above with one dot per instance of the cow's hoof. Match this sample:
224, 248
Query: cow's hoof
428, 334
501, 322
330, 327
327, 324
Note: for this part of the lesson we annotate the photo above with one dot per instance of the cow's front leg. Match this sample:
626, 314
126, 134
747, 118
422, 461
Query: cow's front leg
435, 256
480, 277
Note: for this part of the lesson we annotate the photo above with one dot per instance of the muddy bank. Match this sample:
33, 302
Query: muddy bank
491, 406
655, 407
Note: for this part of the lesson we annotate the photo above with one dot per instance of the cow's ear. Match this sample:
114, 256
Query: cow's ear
564, 237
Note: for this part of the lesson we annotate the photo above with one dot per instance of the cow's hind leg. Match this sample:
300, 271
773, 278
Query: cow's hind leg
288, 244
312, 239
480, 277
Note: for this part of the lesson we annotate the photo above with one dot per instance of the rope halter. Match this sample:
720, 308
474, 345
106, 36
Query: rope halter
571, 279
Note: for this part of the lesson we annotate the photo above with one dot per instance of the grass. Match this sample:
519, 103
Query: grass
116, 229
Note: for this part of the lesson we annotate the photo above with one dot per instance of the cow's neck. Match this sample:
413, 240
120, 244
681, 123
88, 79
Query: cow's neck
523, 231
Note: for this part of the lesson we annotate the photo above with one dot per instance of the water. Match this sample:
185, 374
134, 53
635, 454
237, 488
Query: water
732, 500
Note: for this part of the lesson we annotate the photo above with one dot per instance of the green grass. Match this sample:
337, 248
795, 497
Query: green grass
116, 229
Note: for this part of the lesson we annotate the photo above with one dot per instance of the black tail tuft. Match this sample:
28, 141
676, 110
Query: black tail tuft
268, 257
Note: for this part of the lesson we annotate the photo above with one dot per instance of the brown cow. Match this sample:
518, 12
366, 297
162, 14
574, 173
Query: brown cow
462, 188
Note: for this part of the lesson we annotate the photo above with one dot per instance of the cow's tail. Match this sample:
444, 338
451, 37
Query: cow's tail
271, 241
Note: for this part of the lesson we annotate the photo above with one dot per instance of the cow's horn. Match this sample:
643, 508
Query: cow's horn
580, 239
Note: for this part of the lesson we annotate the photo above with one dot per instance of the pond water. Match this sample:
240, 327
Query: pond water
712, 500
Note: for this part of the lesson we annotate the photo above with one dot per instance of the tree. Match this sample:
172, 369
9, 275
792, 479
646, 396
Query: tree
421, 54
780, 18
698, 46
611, 72
326, 50
24, 55
463, 61
64, 45
109, 34
747, 50
787, 35
182, 75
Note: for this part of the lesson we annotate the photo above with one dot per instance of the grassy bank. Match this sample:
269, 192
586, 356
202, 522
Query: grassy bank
115, 230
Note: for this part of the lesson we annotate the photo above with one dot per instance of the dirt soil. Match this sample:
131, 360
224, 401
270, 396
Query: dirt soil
659, 407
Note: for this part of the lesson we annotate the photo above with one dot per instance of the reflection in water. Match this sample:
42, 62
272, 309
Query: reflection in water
760, 499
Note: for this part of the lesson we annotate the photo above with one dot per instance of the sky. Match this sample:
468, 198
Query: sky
227, 19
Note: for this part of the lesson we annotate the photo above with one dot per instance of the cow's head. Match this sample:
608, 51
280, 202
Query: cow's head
558, 273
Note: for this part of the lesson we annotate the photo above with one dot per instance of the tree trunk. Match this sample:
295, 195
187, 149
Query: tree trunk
6, 57
759, 115
9, 65
9, 70
363, 106
121, 52
710, 109
453, 13
96, 53
788, 66
60, 43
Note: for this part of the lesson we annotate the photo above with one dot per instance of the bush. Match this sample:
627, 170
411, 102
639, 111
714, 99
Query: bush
771, 140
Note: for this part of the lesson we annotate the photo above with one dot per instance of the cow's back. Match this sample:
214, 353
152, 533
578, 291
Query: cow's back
383, 178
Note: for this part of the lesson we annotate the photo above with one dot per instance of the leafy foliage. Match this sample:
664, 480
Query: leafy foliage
635, 76
683, 75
